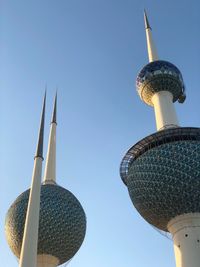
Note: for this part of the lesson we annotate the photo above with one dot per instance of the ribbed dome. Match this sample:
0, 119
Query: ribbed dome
164, 181
159, 76
62, 223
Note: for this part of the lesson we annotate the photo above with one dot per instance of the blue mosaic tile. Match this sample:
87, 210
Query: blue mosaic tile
62, 224
164, 181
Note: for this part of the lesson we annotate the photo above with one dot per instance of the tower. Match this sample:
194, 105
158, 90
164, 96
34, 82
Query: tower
162, 171
62, 220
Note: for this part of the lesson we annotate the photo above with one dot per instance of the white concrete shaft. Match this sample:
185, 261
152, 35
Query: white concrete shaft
164, 109
28, 256
50, 168
44, 260
185, 230
152, 52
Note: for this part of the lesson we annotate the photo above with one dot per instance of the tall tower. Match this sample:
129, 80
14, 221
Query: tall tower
62, 220
162, 171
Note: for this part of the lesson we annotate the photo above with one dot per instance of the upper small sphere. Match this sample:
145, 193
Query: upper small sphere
159, 76
62, 224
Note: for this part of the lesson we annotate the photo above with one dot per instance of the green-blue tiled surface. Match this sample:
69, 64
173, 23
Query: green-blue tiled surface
62, 223
165, 182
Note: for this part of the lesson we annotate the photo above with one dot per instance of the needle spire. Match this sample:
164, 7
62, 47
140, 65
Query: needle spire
50, 168
146, 21
54, 114
152, 52
28, 255
39, 149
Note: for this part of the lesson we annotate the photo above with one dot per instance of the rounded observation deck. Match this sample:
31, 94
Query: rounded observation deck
62, 223
159, 76
162, 174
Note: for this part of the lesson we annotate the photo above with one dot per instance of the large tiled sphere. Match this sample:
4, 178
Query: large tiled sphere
159, 76
164, 181
62, 223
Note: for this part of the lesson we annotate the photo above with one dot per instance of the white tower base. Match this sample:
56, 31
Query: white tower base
164, 110
185, 230
44, 260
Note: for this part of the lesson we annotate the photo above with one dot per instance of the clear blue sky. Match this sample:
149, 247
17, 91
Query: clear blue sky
92, 51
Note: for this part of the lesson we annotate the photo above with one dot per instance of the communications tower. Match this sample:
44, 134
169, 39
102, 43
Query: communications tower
162, 171
47, 229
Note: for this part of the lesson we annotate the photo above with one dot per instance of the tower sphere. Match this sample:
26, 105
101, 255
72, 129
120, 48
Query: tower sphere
162, 173
62, 223
159, 76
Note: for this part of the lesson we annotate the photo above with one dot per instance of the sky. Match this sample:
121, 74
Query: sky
91, 51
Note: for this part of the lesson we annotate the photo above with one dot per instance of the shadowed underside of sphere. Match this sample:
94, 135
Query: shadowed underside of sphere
165, 181
159, 76
62, 223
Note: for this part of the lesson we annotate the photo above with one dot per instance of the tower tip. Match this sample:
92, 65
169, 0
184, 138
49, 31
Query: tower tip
54, 115
152, 52
39, 150
146, 21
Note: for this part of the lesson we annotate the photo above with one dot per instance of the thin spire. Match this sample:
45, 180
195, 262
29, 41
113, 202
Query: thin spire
152, 52
39, 150
146, 21
50, 168
54, 114
28, 255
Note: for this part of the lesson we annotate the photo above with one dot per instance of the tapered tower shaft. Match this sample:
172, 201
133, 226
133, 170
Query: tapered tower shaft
50, 168
28, 256
165, 113
185, 230
152, 51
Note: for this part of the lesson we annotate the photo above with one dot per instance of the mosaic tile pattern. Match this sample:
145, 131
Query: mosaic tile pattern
165, 182
62, 223
159, 76
154, 140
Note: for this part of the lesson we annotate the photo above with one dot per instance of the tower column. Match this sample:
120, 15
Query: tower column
50, 168
185, 230
44, 260
164, 109
29, 245
28, 255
